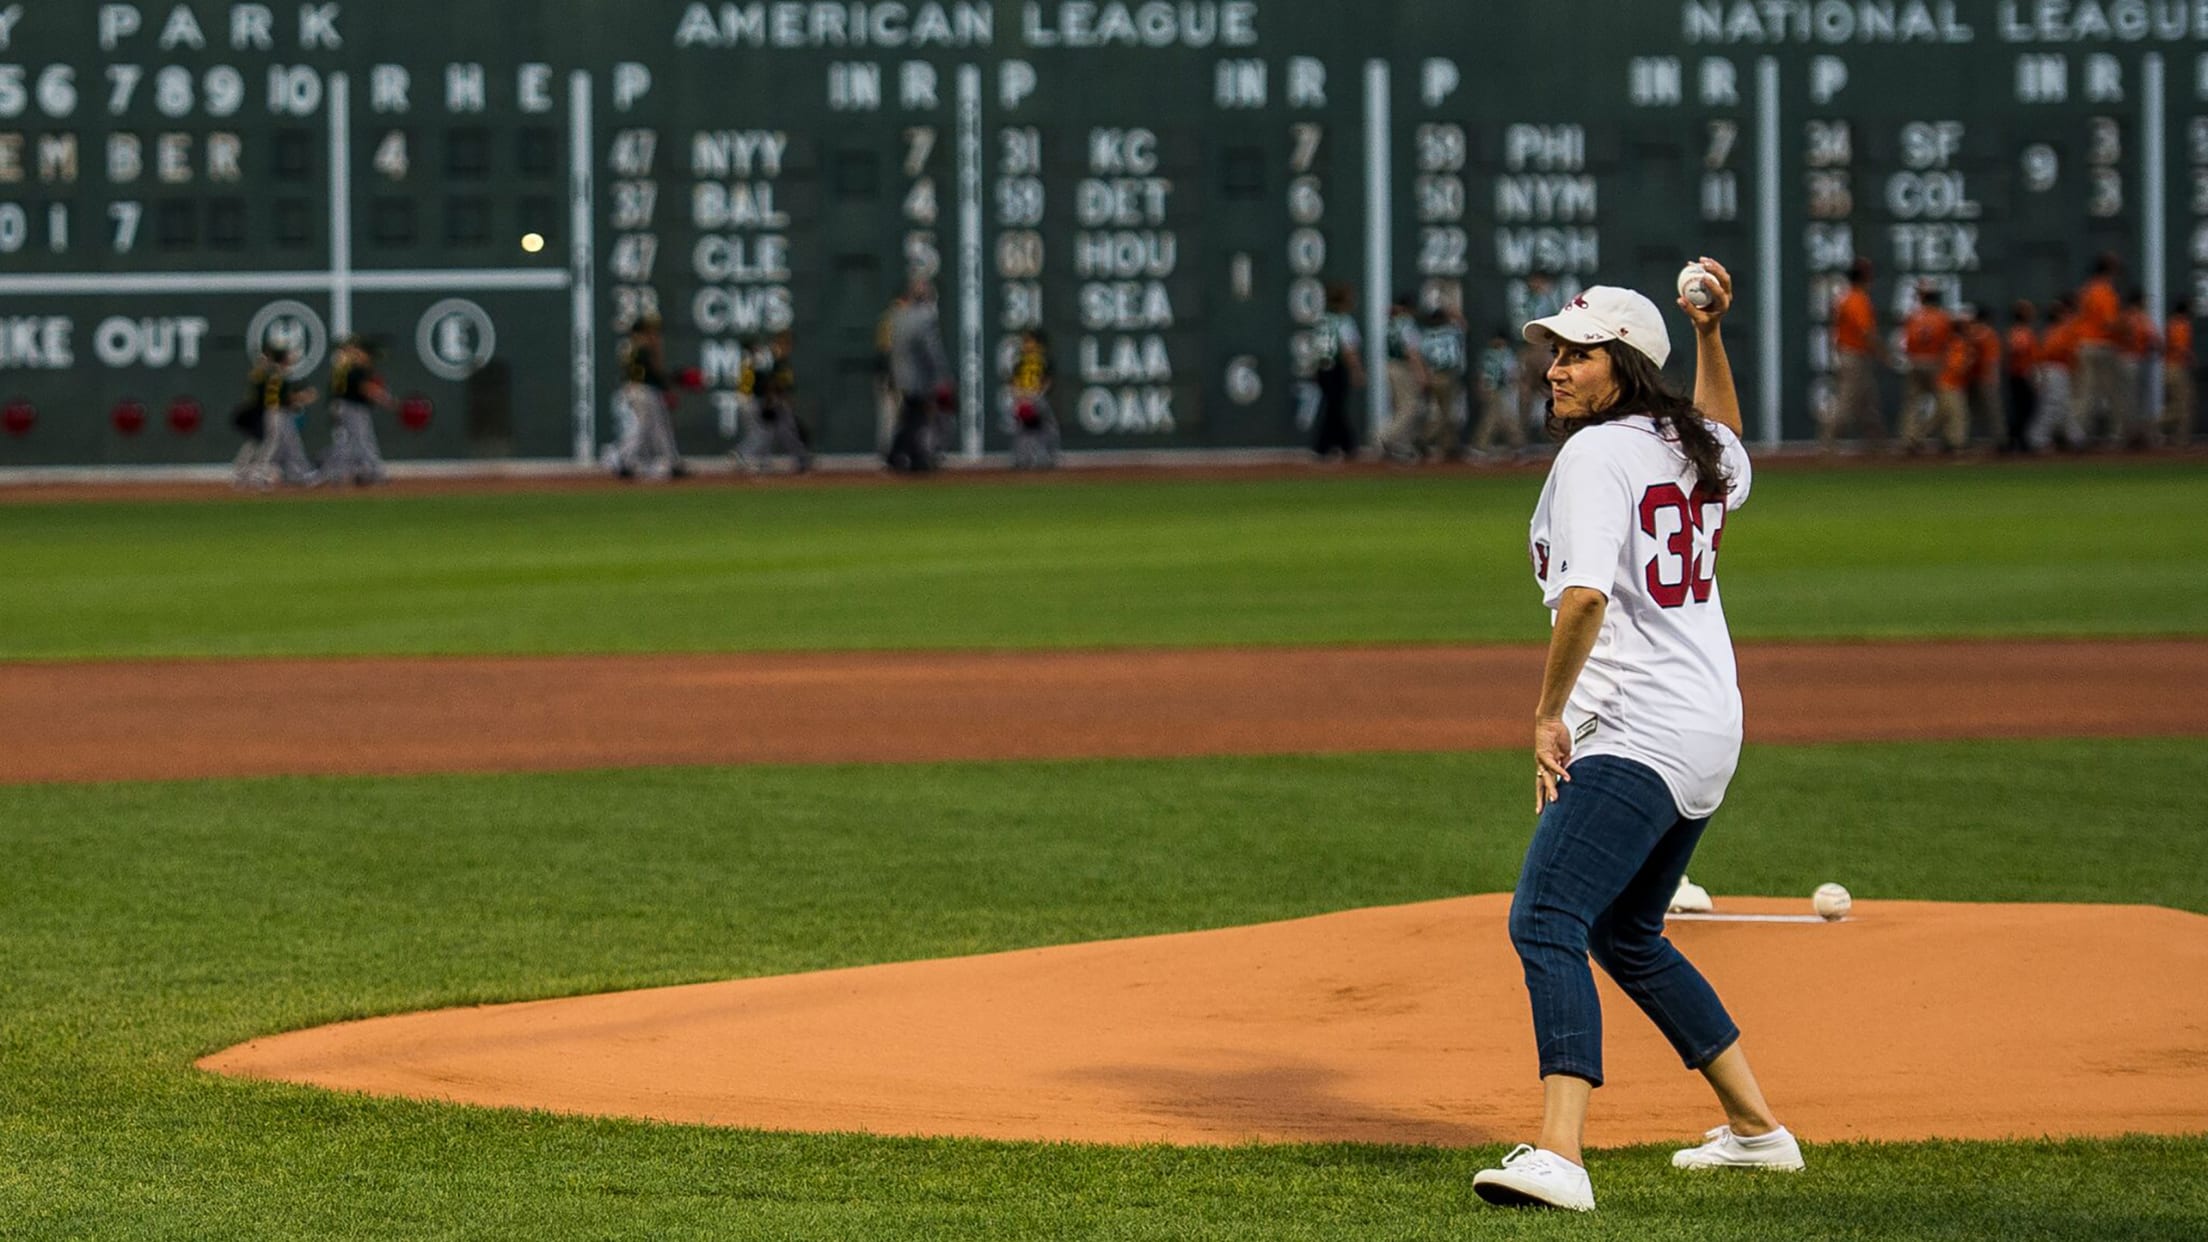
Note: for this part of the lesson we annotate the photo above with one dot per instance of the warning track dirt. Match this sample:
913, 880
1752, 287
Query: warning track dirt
182, 719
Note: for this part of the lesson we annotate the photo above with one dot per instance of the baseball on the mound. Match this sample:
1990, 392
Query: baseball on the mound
1831, 901
1694, 284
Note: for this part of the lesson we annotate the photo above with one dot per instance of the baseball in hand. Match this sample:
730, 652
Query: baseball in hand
1695, 284
1831, 902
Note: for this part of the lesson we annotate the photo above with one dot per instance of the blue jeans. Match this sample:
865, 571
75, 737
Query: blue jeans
1604, 863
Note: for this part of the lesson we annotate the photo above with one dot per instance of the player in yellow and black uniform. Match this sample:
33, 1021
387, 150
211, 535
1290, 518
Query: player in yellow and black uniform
887, 400
749, 433
775, 382
268, 417
641, 407
356, 392
1028, 415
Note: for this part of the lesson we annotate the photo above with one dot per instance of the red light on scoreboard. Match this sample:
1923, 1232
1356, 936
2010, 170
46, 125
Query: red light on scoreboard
184, 416
129, 417
18, 417
415, 412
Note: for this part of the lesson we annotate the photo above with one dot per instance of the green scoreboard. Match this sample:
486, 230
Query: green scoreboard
1167, 187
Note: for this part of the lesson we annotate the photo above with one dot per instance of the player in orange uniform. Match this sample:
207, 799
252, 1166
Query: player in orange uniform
2138, 345
2023, 367
1950, 419
2100, 390
1856, 350
2177, 376
1985, 380
1925, 336
2058, 369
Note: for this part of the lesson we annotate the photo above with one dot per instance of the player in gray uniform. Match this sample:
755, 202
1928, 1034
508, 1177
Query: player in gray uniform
920, 369
356, 393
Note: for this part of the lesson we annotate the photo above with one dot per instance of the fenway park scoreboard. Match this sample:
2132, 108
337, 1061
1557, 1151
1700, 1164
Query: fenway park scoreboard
496, 191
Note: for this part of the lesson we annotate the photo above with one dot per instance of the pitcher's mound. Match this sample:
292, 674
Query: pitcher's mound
1402, 1025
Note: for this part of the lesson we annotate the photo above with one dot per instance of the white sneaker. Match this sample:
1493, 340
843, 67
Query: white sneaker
1776, 1151
1533, 1177
1691, 898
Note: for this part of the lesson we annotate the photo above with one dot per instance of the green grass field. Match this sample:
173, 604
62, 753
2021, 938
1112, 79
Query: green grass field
142, 925
2083, 549
149, 924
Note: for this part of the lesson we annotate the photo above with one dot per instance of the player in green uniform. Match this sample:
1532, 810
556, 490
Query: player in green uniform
1442, 343
1338, 366
1408, 382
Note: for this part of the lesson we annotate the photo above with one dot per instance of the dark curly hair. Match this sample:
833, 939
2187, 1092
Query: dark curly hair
1642, 390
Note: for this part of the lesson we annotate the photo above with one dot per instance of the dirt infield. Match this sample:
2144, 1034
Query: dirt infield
1398, 1025
182, 719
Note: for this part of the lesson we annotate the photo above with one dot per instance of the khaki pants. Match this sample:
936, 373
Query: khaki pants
1443, 391
1854, 404
1947, 417
1952, 412
1498, 414
1407, 410
2177, 404
1920, 395
2101, 404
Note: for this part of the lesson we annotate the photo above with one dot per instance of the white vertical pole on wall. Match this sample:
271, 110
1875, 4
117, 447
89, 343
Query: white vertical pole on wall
1769, 268
969, 260
1379, 242
2154, 224
581, 262
341, 208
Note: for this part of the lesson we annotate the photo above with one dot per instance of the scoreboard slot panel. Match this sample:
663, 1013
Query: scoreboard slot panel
1167, 190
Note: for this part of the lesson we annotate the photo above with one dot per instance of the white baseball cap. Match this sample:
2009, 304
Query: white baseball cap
1607, 313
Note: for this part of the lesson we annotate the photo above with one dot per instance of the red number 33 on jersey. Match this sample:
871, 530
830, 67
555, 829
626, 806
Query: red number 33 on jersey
1681, 570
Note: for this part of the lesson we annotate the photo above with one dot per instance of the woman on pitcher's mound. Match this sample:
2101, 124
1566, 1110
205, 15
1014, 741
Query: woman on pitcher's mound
1638, 728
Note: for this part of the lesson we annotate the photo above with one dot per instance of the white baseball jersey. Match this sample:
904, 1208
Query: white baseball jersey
1620, 514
